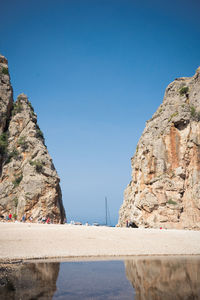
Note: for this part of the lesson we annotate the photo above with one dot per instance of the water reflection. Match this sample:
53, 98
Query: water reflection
28, 281
164, 278
94, 280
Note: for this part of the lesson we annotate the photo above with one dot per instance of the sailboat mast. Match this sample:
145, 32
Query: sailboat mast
106, 211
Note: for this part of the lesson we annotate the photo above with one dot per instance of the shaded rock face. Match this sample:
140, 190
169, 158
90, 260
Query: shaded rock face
166, 278
6, 100
165, 186
29, 183
6, 94
28, 281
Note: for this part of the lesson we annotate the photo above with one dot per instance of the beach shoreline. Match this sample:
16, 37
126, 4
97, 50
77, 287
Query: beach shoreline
30, 241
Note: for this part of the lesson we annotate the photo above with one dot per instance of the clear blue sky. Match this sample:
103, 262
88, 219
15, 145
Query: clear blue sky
95, 71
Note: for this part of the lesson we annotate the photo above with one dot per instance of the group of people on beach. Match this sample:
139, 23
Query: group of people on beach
12, 218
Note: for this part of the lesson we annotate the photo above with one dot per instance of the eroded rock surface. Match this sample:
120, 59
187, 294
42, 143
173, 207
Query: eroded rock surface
29, 183
165, 186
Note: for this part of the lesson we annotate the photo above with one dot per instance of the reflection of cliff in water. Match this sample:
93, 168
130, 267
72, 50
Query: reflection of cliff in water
28, 281
164, 278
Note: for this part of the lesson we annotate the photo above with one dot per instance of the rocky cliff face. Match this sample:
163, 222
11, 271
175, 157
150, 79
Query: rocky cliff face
6, 94
29, 183
165, 186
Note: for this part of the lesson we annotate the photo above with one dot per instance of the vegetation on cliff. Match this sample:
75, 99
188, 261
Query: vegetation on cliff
29, 183
165, 186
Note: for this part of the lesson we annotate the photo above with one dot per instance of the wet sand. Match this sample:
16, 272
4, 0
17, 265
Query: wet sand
21, 241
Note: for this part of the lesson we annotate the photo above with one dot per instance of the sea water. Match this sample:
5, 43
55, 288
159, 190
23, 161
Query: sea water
136, 278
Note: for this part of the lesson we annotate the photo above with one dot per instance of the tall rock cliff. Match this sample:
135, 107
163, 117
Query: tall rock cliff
165, 186
6, 94
29, 183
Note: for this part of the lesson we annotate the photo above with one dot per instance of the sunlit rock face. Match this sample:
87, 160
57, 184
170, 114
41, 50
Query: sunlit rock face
29, 281
165, 186
29, 183
166, 278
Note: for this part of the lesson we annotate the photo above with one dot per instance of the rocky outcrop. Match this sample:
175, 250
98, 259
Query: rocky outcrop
166, 278
29, 183
165, 186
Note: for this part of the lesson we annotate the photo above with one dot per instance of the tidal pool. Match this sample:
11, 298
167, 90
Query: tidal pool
139, 278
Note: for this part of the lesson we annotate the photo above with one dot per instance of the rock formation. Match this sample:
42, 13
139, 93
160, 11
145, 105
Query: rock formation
6, 94
167, 278
29, 183
165, 186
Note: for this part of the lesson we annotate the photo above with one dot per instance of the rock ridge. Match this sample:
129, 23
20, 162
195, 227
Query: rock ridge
165, 186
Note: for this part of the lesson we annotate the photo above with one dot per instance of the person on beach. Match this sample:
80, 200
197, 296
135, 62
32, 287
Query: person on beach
10, 216
127, 225
23, 218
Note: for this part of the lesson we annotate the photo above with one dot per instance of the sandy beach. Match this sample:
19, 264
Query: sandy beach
21, 241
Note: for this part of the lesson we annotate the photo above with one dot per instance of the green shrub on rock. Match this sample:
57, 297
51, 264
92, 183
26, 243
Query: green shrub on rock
17, 108
194, 114
17, 180
3, 143
15, 200
23, 143
30, 105
5, 71
193, 111
39, 134
170, 201
37, 164
184, 90
172, 116
13, 154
